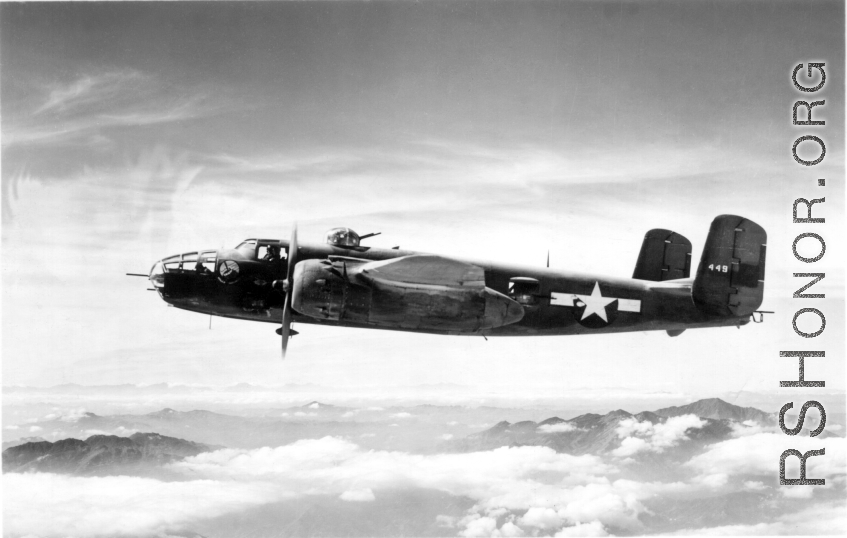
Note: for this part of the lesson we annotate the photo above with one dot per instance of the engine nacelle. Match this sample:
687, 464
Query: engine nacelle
321, 291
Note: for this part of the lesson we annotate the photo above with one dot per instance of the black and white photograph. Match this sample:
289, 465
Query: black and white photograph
447, 268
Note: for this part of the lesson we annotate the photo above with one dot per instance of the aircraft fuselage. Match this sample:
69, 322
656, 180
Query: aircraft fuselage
554, 302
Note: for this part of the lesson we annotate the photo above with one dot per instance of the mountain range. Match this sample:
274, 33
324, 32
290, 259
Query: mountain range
586, 434
717, 409
100, 454
596, 434
422, 429
21, 441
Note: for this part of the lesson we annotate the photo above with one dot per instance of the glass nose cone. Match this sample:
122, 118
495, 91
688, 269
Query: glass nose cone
157, 275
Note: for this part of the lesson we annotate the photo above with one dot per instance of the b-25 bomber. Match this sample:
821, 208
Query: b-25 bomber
346, 284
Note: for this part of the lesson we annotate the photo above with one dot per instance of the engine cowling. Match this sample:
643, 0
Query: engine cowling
342, 291
320, 291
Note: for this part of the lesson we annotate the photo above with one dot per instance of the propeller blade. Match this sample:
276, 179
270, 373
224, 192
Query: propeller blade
286, 327
289, 289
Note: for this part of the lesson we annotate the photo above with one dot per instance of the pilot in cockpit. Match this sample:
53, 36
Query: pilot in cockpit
272, 254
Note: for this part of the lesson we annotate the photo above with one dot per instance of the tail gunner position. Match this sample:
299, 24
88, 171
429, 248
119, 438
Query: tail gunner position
342, 283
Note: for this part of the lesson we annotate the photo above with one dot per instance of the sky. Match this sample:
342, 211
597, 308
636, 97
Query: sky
488, 130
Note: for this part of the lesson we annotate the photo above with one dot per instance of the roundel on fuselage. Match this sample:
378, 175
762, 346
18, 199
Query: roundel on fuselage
602, 317
229, 271
595, 311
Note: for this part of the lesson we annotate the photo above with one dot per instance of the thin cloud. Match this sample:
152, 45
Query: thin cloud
503, 166
189, 108
90, 89
358, 495
87, 130
561, 427
73, 415
79, 112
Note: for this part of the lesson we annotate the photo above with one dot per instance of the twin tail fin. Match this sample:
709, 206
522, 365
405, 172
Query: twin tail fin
730, 279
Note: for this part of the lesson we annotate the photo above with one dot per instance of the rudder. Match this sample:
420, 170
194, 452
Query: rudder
664, 255
730, 279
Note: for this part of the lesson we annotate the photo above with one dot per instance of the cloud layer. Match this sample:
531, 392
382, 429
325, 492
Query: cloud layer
46, 504
517, 491
503, 482
639, 436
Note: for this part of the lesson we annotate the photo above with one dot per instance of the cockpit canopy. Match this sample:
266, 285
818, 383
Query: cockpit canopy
342, 237
190, 262
260, 249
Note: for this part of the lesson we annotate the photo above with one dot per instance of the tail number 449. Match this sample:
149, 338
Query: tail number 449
719, 268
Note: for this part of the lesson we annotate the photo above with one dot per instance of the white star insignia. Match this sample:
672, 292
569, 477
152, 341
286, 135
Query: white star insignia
594, 303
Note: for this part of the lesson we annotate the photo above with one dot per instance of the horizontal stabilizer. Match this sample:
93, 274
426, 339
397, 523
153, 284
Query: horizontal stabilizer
665, 255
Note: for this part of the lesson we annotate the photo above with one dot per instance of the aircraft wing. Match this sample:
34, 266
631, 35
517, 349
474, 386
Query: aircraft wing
418, 291
425, 270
